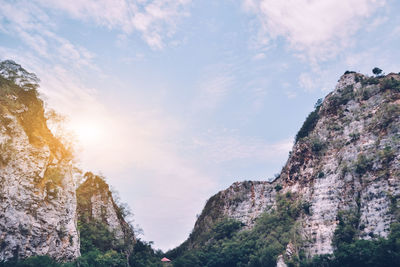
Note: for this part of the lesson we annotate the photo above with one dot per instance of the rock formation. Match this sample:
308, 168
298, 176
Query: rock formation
346, 158
96, 203
37, 190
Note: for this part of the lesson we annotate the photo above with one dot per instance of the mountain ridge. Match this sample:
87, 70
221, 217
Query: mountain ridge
345, 158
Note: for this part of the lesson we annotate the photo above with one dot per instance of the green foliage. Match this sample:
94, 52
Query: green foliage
306, 207
370, 81
390, 84
96, 258
343, 98
35, 261
386, 115
144, 255
376, 71
19, 97
228, 247
347, 228
95, 235
367, 253
309, 123
362, 164
354, 137
226, 228
278, 187
349, 72
317, 145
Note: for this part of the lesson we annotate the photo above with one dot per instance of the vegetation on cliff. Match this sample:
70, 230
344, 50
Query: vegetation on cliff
229, 245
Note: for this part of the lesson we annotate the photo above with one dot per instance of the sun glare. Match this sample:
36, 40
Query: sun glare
88, 132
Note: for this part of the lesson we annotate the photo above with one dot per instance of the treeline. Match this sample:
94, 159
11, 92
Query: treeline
98, 250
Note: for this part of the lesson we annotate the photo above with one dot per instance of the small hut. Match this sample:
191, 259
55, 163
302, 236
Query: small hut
166, 261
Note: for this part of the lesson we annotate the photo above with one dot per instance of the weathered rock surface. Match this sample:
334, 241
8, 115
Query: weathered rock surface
95, 202
37, 191
348, 160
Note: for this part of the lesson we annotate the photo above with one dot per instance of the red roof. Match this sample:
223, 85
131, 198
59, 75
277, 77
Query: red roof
165, 259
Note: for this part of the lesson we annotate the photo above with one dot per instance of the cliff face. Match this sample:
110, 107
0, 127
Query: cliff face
346, 158
37, 191
96, 203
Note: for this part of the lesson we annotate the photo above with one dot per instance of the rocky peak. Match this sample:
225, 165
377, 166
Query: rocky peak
96, 203
37, 190
345, 159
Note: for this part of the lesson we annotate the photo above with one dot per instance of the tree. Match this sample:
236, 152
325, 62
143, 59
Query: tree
377, 71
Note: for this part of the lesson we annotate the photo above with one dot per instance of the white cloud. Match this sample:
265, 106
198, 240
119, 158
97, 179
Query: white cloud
318, 28
155, 20
31, 24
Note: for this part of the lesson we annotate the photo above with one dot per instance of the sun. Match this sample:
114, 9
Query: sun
89, 132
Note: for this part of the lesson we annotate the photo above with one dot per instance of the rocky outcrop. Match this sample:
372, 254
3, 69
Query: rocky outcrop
96, 203
37, 191
346, 158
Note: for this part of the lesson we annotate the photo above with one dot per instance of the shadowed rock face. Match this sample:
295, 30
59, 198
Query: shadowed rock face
37, 191
95, 202
348, 160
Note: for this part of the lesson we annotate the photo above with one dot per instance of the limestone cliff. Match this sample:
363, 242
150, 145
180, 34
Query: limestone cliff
37, 190
96, 203
346, 158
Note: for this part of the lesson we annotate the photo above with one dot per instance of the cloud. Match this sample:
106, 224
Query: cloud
320, 29
32, 26
155, 20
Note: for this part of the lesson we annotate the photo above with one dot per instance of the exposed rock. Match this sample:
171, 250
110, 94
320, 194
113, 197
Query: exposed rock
95, 202
280, 262
37, 190
349, 160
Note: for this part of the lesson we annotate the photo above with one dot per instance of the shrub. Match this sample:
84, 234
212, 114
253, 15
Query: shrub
347, 228
306, 207
377, 71
354, 137
362, 164
310, 122
257, 247
390, 84
317, 145
226, 228
278, 187
308, 125
386, 116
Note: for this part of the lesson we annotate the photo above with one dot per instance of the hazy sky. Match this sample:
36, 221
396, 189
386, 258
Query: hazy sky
174, 100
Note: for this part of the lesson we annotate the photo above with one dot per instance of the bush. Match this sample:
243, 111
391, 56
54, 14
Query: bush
343, 98
144, 256
306, 207
347, 228
376, 71
308, 125
367, 253
278, 187
317, 145
363, 164
310, 122
257, 247
390, 84
226, 228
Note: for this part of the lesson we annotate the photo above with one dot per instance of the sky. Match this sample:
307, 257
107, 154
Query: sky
174, 100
